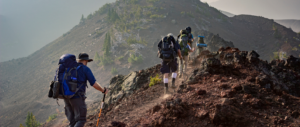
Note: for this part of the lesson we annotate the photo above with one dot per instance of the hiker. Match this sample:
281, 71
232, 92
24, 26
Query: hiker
75, 108
191, 38
185, 47
200, 45
168, 50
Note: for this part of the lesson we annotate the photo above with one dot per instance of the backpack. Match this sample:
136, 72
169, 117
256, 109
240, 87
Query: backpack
183, 42
65, 84
167, 52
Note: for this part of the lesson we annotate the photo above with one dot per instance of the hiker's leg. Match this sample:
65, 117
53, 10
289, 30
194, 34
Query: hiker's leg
174, 67
185, 63
180, 67
80, 111
165, 70
69, 111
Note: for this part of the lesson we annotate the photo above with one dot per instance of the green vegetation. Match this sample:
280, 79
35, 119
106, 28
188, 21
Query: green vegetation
113, 71
105, 60
154, 80
89, 16
103, 9
107, 45
120, 58
51, 117
21, 125
190, 14
156, 16
96, 57
31, 121
276, 55
277, 34
135, 59
112, 15
132, 40
82, 19
295, 49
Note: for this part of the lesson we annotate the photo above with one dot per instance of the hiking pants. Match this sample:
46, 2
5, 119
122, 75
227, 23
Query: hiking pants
75, 110
182, 68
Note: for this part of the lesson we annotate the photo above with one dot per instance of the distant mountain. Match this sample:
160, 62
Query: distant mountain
228, 13
290, 23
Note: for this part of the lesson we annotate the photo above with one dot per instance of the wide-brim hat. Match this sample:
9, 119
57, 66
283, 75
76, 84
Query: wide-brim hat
84, 56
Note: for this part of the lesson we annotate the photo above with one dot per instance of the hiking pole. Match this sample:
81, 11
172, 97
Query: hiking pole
101, 109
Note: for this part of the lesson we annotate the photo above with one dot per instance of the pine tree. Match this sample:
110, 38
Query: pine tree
82, 19
97, 57
31, 121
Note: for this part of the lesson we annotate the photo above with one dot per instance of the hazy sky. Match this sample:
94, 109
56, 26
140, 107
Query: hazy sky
273, 9
28, 25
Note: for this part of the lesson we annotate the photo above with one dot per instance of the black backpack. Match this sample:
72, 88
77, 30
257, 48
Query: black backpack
167, 52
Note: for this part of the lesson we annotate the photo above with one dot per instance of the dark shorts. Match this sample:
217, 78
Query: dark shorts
167, 67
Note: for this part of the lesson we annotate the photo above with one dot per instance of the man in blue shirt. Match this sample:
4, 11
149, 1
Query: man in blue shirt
75, 108
168, 66
191, 38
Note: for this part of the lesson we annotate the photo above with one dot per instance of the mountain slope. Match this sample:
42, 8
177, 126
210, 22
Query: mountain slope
294, 24
133, 34
235, 88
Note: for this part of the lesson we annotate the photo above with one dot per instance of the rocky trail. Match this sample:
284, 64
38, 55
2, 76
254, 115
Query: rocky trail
229, 88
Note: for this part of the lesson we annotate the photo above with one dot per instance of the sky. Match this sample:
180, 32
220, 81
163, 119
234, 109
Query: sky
28, 25
272, 9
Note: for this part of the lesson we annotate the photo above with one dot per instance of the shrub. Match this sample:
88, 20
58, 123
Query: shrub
135, 59
31, 121
190, 14
133, 40
105, 60
120, 58
113, 71
155, 16
89, 16
51, 117
154, 80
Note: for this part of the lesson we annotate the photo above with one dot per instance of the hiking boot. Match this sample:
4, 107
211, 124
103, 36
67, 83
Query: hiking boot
173, 83
166, 89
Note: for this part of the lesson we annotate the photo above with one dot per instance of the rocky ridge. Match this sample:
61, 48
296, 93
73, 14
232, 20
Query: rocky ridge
237, 89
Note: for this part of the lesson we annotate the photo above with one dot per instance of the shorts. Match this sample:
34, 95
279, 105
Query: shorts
168, 66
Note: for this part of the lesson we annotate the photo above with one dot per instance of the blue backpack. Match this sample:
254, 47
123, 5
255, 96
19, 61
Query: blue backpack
67, 76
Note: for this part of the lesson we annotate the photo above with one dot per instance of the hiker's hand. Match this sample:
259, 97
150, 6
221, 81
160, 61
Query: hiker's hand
105, 91
193, 49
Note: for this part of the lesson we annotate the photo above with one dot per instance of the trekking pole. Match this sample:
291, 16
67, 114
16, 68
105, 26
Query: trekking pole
101, 109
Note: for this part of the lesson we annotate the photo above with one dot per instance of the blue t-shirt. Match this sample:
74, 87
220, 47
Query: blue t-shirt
84, 74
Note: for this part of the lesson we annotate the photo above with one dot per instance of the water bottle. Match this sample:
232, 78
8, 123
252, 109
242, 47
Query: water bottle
73, 84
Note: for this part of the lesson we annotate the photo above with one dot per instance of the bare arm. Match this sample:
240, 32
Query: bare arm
98, 87
179, 53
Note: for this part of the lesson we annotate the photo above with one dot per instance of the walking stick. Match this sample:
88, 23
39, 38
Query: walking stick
101, 109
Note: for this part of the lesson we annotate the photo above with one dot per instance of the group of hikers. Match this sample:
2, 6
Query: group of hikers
71, 77
169, 49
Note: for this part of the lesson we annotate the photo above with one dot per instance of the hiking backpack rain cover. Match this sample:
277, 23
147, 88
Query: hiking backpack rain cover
67, 77
167, 52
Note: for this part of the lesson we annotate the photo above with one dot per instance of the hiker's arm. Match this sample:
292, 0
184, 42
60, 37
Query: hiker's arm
98, 87
191, 49
179, 53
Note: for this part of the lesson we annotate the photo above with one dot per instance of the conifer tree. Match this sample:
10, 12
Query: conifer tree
96, 57
31, 121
